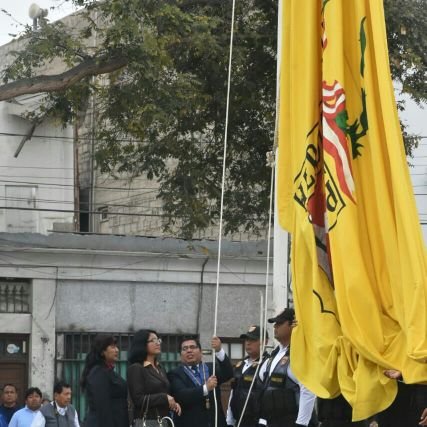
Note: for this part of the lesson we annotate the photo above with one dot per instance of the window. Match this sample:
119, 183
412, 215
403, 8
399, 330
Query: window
103, 213
235, 348
14, 295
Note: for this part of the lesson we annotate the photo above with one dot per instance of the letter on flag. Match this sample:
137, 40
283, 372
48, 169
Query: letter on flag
359, 263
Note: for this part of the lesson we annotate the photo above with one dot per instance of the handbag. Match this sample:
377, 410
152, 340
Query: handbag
160, 422
143, 422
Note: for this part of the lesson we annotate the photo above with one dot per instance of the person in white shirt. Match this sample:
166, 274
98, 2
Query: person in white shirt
25, 416
60, 412
285, 402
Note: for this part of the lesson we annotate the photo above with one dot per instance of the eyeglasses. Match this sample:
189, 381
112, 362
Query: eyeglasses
189, 347
155, 340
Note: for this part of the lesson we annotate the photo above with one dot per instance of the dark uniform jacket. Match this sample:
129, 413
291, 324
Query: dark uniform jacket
106, 393
193, 402
419, 402
406, 409
337, 412
280, 395
148, 387
240, 385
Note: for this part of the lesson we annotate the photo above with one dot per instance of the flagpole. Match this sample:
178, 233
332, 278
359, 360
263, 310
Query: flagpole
280, 236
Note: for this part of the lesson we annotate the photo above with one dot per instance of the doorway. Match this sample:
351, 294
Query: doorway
14, 362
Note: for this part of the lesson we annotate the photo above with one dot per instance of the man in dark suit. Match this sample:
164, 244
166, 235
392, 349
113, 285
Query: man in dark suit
192, 385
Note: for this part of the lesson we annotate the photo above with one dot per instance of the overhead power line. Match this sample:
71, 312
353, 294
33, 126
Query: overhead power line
32, 167
48, 184
74, 211
70, 138
71, 202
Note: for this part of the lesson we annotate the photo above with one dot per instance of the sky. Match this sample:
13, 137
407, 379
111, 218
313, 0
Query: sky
18, 9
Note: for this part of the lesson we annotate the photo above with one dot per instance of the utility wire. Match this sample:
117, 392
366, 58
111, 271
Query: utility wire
32, 167
109, 212
130, 140
72, 185
73, 211
41, 177
26, 199
71, 138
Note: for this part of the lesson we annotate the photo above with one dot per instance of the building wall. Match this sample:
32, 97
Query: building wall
418, 172
41, 177
122, 284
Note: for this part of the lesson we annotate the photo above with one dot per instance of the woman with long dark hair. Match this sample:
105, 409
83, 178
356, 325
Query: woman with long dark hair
147, 381
106, 391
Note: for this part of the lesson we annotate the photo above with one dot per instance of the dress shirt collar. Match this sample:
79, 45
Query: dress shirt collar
60, 409
283, 348
28, 409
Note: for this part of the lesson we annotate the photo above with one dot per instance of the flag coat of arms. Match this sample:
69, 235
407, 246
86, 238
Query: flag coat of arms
359, 263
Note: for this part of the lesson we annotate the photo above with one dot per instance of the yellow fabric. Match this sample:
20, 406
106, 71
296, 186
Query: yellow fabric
368, 313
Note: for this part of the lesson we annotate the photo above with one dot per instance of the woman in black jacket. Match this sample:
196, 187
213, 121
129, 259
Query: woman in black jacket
106, 391
147, 380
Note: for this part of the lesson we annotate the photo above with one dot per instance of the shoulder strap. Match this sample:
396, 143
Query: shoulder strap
145, 405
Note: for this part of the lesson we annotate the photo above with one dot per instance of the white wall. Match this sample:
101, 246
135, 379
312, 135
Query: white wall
40, 177
415, 117
418, 172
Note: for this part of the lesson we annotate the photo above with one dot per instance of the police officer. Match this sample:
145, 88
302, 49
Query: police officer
243, 378
285, 402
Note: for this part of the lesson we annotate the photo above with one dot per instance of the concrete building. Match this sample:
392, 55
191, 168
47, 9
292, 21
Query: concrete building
418, 172
36, 175
57, 291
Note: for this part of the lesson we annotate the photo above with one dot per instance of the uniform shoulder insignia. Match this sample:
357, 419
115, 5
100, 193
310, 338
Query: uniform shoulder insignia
284, 360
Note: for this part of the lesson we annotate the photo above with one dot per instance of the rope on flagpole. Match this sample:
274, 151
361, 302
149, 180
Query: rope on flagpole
224, 163
263, 323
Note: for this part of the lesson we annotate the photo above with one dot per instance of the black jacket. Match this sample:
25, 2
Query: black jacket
193, 402
106, 393
241, 384
147, 384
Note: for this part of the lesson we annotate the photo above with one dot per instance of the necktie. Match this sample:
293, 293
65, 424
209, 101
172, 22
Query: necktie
196, 372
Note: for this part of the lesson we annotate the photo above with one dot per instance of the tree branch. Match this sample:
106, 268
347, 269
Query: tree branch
58, 82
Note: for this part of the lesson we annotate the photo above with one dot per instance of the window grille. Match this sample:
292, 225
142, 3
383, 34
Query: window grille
14, 295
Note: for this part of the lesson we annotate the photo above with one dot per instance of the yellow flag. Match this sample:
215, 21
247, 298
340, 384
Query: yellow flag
359, 263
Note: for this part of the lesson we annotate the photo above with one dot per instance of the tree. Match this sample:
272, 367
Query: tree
162, 111
407, 44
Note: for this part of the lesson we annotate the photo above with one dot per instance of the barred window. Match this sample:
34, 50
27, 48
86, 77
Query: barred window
14, 295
